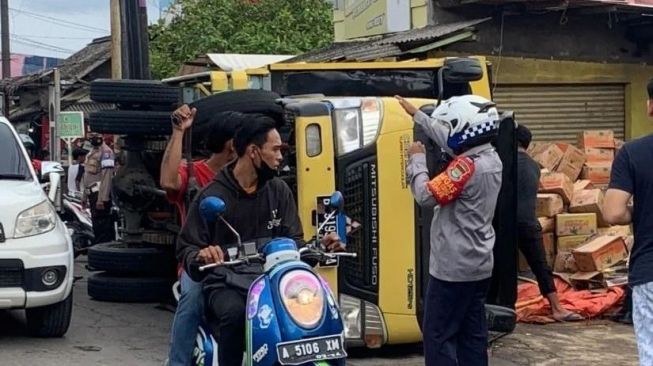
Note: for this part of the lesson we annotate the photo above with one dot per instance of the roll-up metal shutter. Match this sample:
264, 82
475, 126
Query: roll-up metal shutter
558, 112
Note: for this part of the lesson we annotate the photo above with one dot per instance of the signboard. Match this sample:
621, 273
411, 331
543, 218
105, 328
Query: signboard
364, 18
71, 125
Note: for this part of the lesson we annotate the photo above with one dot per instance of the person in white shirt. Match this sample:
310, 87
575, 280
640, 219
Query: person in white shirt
74, 174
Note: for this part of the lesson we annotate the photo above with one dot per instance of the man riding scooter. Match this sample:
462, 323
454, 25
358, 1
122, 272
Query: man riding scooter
258, 206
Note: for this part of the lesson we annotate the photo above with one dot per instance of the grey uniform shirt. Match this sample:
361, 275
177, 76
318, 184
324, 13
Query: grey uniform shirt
462, 236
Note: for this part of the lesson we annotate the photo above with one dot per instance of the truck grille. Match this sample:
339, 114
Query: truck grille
11, 273
361, 204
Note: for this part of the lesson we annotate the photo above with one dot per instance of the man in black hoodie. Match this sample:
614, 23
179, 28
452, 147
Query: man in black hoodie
258, 206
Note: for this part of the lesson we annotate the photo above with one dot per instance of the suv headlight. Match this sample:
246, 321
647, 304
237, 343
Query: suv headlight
36, 220
357, 121
303, 297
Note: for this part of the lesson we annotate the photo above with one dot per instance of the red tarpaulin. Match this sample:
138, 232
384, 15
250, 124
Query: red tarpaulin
588, 304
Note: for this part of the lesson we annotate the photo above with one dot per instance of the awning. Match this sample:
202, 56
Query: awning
235, 61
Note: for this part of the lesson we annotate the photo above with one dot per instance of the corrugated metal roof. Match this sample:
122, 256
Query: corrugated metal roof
431, 32
88, 107
394, 45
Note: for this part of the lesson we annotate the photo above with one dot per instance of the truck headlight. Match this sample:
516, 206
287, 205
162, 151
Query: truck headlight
350, 308
363, 321
36, 220
303, 297
357, 121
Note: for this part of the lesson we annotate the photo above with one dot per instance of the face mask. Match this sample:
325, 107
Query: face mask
264, 172
96, 141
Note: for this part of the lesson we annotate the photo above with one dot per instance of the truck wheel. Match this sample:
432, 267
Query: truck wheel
134, 92
131, 122
50, 320
244, 101
121, 258
106, 287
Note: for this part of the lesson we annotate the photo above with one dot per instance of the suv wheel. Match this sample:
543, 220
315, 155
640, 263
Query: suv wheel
50, 320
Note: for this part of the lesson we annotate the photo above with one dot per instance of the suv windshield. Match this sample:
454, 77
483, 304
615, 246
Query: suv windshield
13, 164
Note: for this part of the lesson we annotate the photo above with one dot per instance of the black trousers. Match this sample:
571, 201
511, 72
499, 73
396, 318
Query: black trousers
455, 325
532, 247
227, 321
102, 221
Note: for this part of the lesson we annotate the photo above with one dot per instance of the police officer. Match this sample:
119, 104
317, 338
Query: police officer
96, 187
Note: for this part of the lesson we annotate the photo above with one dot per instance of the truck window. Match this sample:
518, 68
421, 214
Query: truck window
13, 164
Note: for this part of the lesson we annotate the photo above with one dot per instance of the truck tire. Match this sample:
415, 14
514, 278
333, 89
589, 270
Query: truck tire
244, 101
120, 122
111, 288
50, 320
121, 258
131, 92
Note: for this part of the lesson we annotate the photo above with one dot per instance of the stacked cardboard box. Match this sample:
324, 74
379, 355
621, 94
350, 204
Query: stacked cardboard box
577, 240
599, 148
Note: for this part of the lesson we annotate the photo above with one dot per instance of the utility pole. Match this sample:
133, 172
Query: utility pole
6, 54
135, 39
53, 115
116, 41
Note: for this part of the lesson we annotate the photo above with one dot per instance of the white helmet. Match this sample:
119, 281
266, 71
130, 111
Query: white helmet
471, 120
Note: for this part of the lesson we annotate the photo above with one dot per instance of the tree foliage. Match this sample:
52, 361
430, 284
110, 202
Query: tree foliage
239, 26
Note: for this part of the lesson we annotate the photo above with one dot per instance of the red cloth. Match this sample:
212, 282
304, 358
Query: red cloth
202, 173
37, 165
586, 303
448, 185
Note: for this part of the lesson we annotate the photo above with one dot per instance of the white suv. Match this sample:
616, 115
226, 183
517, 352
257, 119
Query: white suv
36, 252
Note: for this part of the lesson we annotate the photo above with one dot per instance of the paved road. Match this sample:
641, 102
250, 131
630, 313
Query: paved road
115, 334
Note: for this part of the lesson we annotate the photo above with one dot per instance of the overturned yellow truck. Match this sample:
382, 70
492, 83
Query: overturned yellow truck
346, 132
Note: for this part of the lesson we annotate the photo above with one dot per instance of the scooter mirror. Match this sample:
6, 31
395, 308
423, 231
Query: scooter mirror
337, 201
211, 208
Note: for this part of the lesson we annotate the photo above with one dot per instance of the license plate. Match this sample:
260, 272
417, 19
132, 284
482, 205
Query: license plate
309, 350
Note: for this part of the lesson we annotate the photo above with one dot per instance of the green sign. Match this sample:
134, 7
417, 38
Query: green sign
71, 124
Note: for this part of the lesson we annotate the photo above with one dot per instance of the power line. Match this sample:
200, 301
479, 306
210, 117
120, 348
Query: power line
61, 22
47, 37
27, 41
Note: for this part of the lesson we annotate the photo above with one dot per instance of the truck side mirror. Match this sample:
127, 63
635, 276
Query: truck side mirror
462, 70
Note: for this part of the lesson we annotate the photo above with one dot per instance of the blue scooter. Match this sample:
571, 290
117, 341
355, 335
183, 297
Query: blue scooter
292, 315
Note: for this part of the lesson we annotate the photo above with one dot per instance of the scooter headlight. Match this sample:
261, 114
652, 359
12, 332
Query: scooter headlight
303, 297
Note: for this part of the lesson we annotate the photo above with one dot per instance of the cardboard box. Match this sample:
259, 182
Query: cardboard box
548, 157
549, 205
535, 148
569, 243
572, 163
617, 230
589, 201
548, 224
597, 173
600, 253
596, 138
565, 263
588, 280
598, 155
582, 184
576, 224
557, 183
562, 146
